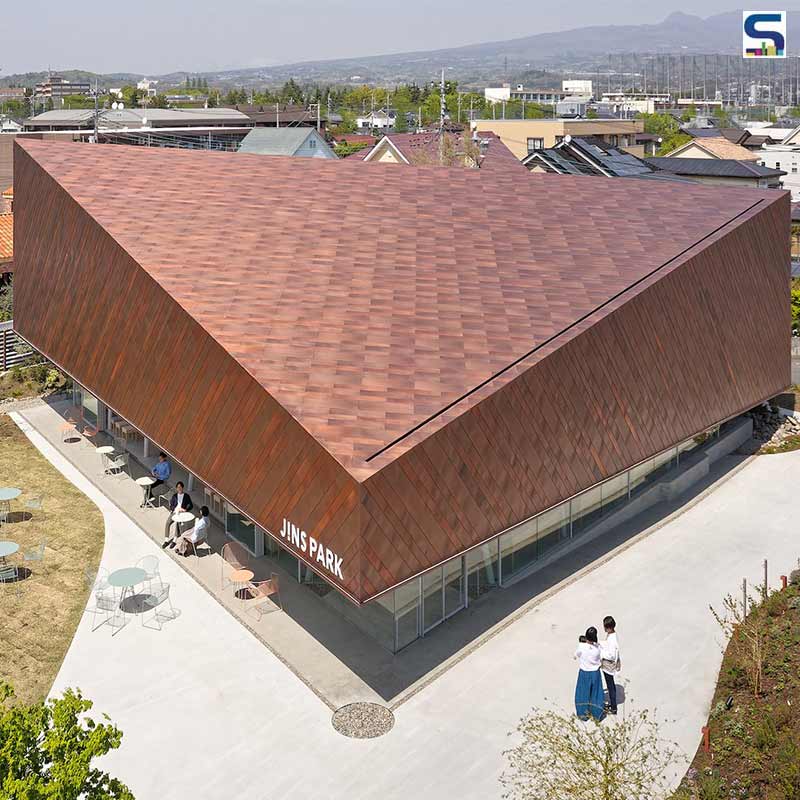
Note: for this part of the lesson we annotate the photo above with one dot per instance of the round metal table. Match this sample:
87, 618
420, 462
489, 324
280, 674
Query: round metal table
125, 579
105, 451
240, 577
7, 549
7, 494
145, 482
182, 517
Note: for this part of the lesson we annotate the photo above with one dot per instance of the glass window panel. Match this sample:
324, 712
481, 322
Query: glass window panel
453, 586
554, 527
519, 547
432, 601
615, 492
481, 570
406, 604
663, 463
239, 527
639, 476
586, 509
90, 407
283, 557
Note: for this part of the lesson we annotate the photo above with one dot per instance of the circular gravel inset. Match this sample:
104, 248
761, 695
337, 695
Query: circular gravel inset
363, 720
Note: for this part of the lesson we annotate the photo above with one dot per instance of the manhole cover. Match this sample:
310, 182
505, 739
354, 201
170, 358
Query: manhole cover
363, 720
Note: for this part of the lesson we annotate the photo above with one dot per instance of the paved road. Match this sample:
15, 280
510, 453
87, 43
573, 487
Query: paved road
208, 712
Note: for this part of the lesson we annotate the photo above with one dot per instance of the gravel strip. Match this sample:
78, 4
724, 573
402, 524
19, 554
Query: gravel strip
363, 720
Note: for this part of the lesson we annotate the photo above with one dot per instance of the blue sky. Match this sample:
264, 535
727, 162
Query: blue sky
155, 37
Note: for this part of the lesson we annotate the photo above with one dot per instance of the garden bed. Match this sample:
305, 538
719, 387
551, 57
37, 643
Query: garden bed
755, 738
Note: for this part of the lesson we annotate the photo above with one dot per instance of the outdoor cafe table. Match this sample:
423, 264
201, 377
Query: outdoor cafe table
7, 549
182, 517
7, 494
144, 482
126, 579
104, 451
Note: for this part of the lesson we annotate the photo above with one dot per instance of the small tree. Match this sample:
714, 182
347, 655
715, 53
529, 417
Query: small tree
46, 750
562, 757
747, 638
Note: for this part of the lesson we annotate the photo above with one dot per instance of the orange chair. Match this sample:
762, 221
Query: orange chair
90, 433
262, 591
68, 428
235, 556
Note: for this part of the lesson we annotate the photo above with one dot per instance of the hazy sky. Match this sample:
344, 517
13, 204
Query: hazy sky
156, 37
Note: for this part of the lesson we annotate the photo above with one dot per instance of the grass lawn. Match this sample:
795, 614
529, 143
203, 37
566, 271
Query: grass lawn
37, 627
755, 740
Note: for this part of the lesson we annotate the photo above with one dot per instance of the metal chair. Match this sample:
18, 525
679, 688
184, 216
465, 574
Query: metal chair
106, 603
34, 503
119, 465
95, 578
236, 557
37, 554
10, 574
150, 565
156, 601
90, 434
263, 590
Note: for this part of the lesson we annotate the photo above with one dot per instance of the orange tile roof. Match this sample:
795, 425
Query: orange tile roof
6, 237
720, 147
404, 292
9, 193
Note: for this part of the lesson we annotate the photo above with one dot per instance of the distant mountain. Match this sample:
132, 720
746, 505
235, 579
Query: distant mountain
587, 47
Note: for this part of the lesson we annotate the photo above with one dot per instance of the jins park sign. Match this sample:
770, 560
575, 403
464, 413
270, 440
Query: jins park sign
315, 550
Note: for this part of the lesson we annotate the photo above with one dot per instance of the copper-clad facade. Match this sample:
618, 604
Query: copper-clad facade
400, 361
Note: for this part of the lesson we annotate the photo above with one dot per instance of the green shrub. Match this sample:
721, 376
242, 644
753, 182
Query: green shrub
787, 769
765, 733
17, 374
710, 786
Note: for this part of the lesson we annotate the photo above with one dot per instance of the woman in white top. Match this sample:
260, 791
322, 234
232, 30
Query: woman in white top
197, 534
589, 688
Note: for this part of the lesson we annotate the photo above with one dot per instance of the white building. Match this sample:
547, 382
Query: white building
579, 88
497, 94
147, 85
785, 156
381, 120
632, 103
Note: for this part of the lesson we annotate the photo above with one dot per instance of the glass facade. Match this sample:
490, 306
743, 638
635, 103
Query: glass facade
417, 607
424, 602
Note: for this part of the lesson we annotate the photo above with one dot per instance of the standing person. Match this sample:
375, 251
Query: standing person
611, 662
589, 688
161, 472
180, 501
197, 534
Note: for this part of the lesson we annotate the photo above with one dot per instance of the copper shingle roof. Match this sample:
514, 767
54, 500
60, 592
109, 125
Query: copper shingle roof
6, 237
368, 300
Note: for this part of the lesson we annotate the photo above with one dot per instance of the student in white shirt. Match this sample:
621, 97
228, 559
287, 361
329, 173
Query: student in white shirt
610, 661
197, 534
589, 688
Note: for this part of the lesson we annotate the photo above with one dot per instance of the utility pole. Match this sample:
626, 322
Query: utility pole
96, 111
442, 113
319, 121
277, 115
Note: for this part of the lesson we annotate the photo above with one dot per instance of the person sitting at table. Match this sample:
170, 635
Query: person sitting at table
161, 472
196, 535
180, 501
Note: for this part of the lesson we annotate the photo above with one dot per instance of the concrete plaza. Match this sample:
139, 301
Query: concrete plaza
208, 711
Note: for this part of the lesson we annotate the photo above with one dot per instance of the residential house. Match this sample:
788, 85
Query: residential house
575, 155
306, 142
481, 149
785, 156
721, 171
713, 147
381, 120
523, 136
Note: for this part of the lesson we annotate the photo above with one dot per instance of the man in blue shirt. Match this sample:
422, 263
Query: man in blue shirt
161, 472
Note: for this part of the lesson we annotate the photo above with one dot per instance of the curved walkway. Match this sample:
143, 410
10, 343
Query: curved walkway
208, 712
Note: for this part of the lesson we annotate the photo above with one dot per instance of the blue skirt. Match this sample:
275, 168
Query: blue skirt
589, 695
